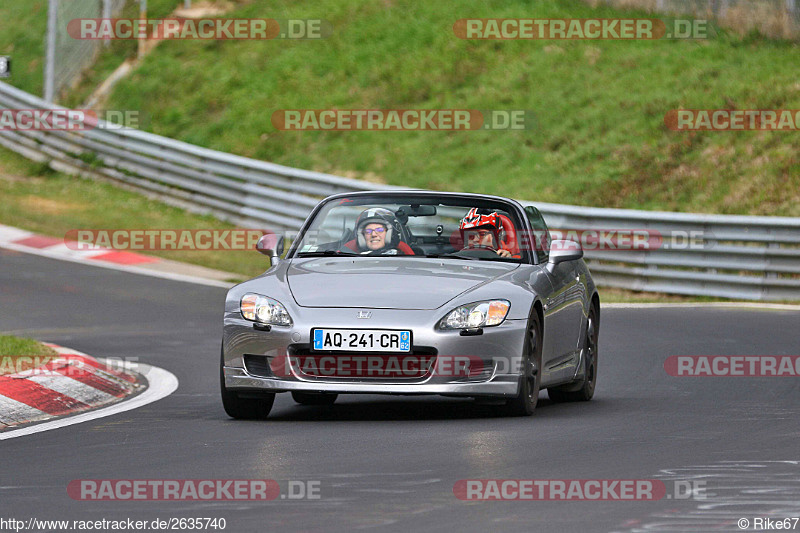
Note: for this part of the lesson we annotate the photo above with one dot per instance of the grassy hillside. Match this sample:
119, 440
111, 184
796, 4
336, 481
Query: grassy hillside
599, 137
22, 36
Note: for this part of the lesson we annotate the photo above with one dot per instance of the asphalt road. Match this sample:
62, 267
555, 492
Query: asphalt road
391, 463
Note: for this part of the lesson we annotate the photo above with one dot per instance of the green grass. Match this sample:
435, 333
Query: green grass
22, 36
40, 200
18, 354
599, 137
610, 295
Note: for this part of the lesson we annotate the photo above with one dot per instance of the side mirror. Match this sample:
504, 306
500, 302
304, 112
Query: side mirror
271, 245
562, 251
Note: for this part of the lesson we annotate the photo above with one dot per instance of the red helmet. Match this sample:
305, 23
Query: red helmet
476, 220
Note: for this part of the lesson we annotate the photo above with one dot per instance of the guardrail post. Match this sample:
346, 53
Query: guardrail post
791, 11
50, 53
142, 20
771, 275
106, 15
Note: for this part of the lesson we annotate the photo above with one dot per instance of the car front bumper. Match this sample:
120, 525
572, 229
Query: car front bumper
499, 385
497, 352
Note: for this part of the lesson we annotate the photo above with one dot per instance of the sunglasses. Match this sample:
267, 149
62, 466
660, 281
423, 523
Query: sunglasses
377, 231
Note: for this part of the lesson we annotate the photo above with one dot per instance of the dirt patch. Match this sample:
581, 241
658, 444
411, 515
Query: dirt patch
765, 17
592, 54
48, 206
11, 178
717, 154
204, 9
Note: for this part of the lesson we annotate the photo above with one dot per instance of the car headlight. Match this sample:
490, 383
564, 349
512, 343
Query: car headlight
265, 310
476, 315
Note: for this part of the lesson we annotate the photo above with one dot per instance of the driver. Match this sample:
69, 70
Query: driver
378, 233
484, 231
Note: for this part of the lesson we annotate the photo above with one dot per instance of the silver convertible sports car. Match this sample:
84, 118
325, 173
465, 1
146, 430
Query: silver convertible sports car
413, 292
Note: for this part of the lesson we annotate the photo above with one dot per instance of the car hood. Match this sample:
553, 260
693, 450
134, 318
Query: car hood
387, 282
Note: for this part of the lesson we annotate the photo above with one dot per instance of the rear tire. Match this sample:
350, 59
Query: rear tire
583, 390
530, 382
243, 408
311, 398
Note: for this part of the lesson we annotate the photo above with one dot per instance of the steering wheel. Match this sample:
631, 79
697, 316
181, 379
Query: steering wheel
486, 253
383, 252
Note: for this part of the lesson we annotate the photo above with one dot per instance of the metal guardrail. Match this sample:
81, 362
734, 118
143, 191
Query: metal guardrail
756, 258
731, 256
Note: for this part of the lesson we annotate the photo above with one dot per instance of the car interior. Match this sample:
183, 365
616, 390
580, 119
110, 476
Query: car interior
424, 230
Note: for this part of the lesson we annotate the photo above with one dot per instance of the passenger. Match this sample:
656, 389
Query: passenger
484, 231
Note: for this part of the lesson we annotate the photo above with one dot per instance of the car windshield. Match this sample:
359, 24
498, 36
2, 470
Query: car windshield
421, 226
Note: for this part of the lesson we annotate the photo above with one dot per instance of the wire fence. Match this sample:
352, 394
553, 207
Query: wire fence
67, 58
778, 19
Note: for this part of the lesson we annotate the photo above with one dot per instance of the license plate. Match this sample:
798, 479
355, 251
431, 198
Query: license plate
362, 340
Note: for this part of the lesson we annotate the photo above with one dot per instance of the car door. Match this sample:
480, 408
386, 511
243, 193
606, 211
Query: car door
563, 307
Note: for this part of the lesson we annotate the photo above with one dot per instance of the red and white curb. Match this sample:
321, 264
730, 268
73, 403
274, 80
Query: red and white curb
21, 240
75, 384
54, 245
69, 383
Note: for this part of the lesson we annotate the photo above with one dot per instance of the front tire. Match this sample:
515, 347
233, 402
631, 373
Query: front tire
585, 389
310, 398
244, 408
530, 382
